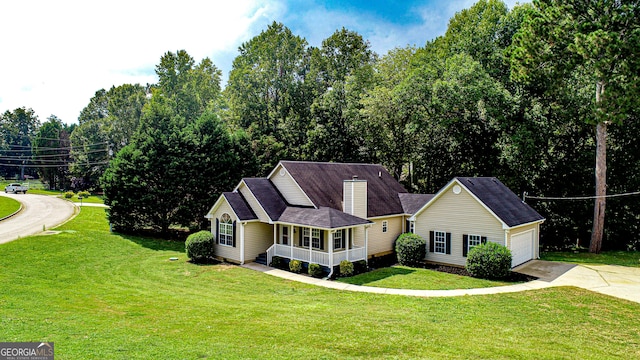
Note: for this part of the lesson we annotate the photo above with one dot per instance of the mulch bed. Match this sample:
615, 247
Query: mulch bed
513, 277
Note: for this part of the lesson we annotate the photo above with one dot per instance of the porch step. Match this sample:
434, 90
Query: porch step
262, 259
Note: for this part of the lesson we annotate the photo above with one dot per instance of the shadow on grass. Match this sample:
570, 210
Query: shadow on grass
376, 275
155, 243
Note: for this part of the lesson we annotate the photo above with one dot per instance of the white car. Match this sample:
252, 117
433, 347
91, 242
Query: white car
16, 188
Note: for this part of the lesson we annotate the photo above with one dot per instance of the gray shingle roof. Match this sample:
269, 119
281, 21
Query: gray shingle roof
322, 182
267, 195
413, 202
240, 206
324, 217
502, 201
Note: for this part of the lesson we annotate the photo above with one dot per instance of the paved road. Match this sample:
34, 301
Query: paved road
37, 211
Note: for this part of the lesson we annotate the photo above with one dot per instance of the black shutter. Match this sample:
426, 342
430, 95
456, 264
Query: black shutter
217, 231
448, 244
431, 237
234, 234
465, 245
321, 239
483, 239
407, 228
300, 237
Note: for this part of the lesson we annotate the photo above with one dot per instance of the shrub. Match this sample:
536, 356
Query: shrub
360, 267
199, 246
489, 261
277, 262
84, 194
68, 195
315, 270
346, 268
411, 249
295, 266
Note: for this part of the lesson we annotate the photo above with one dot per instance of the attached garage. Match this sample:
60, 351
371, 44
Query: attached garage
522, 247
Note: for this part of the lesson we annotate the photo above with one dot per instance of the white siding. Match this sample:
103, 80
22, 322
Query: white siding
457, 214
222, 251
354, 198
288, 187
257, 239
382, 243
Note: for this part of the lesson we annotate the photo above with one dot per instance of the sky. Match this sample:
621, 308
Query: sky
56, 54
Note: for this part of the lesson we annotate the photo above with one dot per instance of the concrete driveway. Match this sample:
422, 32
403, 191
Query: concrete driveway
39, 212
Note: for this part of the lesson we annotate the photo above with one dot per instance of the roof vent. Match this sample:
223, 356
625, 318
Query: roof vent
379, 173
355, 177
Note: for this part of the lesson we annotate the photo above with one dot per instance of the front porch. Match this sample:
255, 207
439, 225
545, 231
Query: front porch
317, 246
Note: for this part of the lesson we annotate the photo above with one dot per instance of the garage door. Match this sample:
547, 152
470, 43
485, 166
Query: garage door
521, 248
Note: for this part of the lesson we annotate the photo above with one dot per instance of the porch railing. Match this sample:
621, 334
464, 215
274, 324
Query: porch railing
314, 256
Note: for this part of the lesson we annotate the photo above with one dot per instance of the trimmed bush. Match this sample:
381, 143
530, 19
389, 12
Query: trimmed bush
199, 246
411, 249
346, 268
84, 194
360, 267
315, 270
295, 266
277, 262
68, 195
489, 261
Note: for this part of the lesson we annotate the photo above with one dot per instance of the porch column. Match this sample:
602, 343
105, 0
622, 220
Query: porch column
275, 234
348, 244
310, 243
291, 240
366, 243
331, 247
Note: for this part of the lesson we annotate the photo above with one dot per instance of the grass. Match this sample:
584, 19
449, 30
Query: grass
8, 206
622, 258
402, 277
103, 295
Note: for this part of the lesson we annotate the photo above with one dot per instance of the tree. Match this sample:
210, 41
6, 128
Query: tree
17, 129
339, 68
107, 124
267, 93
51, 152
596, 37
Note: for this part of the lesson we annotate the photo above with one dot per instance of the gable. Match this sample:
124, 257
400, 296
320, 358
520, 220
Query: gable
501, 200
287, 186
322, 183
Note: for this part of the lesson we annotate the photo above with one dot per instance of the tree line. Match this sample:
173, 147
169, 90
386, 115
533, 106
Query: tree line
540, 96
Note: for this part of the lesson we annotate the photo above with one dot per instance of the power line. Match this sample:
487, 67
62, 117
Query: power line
25, 148
54, 166
525, 196
36, 157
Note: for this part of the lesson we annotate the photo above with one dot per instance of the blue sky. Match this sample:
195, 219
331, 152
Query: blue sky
56, 55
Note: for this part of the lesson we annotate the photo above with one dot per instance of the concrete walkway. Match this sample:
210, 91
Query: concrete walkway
618, 281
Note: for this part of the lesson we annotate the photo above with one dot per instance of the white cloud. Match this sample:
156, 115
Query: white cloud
59, 53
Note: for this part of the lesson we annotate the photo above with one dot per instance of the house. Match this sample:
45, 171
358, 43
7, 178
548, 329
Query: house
470, 211
324, 213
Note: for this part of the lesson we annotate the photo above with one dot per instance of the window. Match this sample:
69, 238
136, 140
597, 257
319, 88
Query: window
225, 230
385, 226
285, 235
474, 240
338, 240
440, 242
314, 238
412, 227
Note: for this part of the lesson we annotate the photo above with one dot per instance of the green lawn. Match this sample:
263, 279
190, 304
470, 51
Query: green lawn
402, 277
8, 206
105, 296
623, 258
